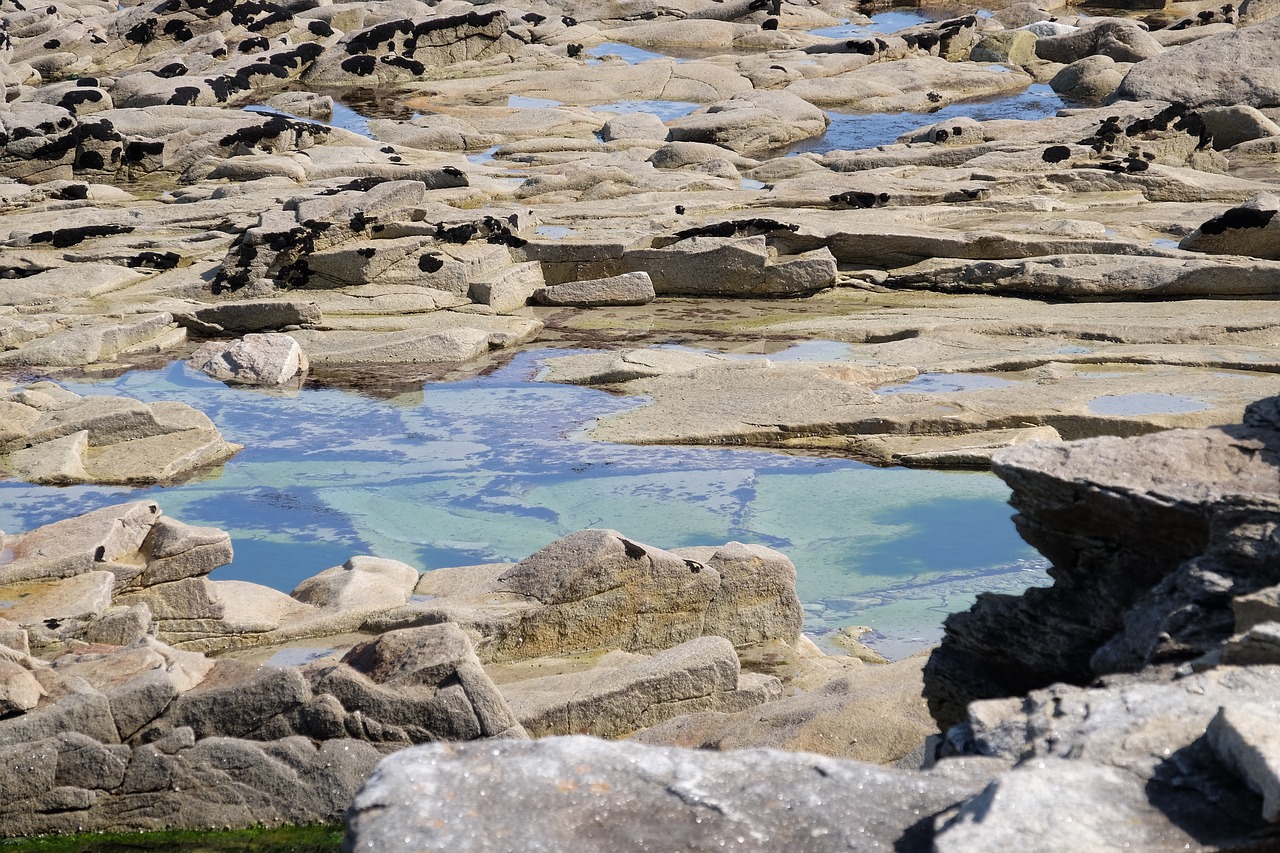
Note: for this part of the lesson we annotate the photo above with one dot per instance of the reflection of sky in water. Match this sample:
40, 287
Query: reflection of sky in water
632, 55
939, 383
494, 468
885, 22
851, 131
665, 110
1145, 404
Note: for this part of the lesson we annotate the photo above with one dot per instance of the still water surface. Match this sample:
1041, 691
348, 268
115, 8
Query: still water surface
495, 467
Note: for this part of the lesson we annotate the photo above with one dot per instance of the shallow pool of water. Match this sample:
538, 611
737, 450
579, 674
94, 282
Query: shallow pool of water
665, 110
885, 22
851, 131
942, 383
632, 55
1145, 404
494, 468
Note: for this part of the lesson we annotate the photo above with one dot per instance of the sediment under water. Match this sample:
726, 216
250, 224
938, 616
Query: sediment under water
495, 467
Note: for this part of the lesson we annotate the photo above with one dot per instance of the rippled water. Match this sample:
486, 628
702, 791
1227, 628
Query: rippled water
496, 467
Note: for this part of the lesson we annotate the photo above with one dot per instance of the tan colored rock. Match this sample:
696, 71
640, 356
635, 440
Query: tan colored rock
360, 584
58, 462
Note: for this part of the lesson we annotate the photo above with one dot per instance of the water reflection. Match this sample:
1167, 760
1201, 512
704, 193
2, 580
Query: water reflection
495, 467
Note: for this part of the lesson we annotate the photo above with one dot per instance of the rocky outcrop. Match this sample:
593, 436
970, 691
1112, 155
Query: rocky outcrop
55, 437
1147, 559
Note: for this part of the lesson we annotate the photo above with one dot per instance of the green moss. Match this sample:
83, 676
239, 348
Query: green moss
289, 839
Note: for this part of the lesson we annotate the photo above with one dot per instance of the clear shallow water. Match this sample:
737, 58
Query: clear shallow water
632, 55
496, 467
851, 131
938, 383
665, 110
885, 22
1145, 404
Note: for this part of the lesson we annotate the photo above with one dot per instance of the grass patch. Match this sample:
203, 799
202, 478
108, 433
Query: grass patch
288, 839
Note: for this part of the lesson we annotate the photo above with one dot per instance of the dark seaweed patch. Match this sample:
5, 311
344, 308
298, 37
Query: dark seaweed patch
735, 227
137, 149
1238, 217
173, 69
71, 192
430, 263
1056, 154
154, 260
184, 96
64, 237
860, 200
143, 32
319, 29
361, 66
76, 97
253, 44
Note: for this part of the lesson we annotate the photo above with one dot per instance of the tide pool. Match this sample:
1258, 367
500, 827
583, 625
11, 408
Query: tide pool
493, 468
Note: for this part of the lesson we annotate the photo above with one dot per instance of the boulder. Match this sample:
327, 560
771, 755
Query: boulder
731, 266
1089, 79
752, 121
1246, 230
1233, 69
1235, 124
256, 359
634, 126
1122, 41
360, 584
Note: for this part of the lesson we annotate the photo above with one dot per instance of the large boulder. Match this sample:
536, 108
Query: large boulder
1250, 229
1236, 68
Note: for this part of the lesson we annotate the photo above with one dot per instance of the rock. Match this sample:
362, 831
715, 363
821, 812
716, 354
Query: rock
1233, 125
174, 550
874, 713
661, 795
361, 583
613, 699
1089, 79
19, 689
753, 121
627, 289
325, 349
251, 316
596, 590
739, 266
1017, 47
270, 359
1243, 738
609, 367
1122, 41
86, 543
1244, 230
1233, 69
1256, 11
59, 462
1029, 803
634, 126
80, 597
1100, 276
510, 289
1183, 552
906, 85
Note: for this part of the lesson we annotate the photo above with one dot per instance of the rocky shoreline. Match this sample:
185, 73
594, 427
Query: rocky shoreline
175, 184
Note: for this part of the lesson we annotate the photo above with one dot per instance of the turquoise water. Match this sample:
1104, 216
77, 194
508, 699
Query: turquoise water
493, 468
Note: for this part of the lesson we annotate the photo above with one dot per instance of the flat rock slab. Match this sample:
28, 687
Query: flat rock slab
915, 84
558, 790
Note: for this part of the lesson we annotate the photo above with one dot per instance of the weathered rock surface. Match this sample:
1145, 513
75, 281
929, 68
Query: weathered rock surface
270, 359
55, 437
661, 798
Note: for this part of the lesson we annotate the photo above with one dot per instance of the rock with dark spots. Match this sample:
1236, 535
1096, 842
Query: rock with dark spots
1250, 229
656, 798
102, 538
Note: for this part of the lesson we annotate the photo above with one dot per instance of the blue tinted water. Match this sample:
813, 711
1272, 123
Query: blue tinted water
493, 468
632, 55
851, 131
665, 110
885, 22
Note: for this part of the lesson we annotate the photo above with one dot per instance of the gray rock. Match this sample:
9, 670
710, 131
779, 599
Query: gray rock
251, 316
634, 126
611, 701
655, 799
1236, 68
1235, 124
1245, 230
174, 550
730, 266
628, 289
262, 359
361, 583
1122, 41
1244, 738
